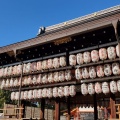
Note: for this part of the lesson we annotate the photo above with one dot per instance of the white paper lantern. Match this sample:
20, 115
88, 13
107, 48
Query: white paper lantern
116, 68
105, 88
118, 85
61, 76
29, 80
34, 66
28, 68
55, 92
44, 78
11, 82
100, 71
22, 95
91, 90
84, 89
60, 92
24, 68
86, 57
35, 94
103, 53
3, 84
19, 69
68, 75
111, 53
56, 76
44, 64
107, 69
10, 70
113, 86
49, 92
39, 93
80, 59
25, 80
7, 83
39, 78
5, 71
44, 92
39, 65
78, 74
14, 72
19, 81
98, 88
50, 77
16, 95
66, 91
13, 96
85, 73
15, 82
34, 80
72, 90
30, 94
92, 72
62, 61
72, 60
1, 72
117, 50
50, 63
25, 95
95, 55
56, 63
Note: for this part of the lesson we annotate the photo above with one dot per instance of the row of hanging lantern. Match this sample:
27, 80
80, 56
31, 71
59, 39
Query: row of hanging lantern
38, 79
45, 93
34, 66
98, 71
104, 87
94, 55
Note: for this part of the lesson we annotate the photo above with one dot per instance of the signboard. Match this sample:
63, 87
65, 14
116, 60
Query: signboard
87, 116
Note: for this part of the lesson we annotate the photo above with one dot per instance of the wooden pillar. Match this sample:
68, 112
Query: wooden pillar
68, 108
95, 107
42, 109
112, 105
57, 109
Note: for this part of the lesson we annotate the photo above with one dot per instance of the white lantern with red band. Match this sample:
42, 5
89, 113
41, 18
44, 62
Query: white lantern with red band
50, 63
66, 91
44, 64
72, 60
72, 90
60, 92
39, 65
39, 78
39, 93
7, 83
85, 73
6, 71
13, 96
68, 75
111, 53
44, 78
95, 55
28, 67
29, 80
30, 94
19, 69
3, 84
84, 89
86, 57
56, 76
105, 88
91, 89
61, 76
92, 72
24, 68
62, 61
80, 59
50, 77
10, 70
117, 50
56, 62
116, 68
118, 85
25, 95
34, 66
1, 72
34, 79
49, 92
113, 86
55, 92
44, 92
78, 74
22, 95
103, 53
107, 69
98, 88
100, 71
34, 94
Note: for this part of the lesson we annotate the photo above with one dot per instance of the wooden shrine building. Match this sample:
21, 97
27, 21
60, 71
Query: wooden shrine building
90, 44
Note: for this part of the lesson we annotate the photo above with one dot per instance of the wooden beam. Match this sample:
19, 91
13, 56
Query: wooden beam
57, 109
112, 105
42, 109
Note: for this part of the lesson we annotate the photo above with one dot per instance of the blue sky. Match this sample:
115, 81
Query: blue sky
21, 19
